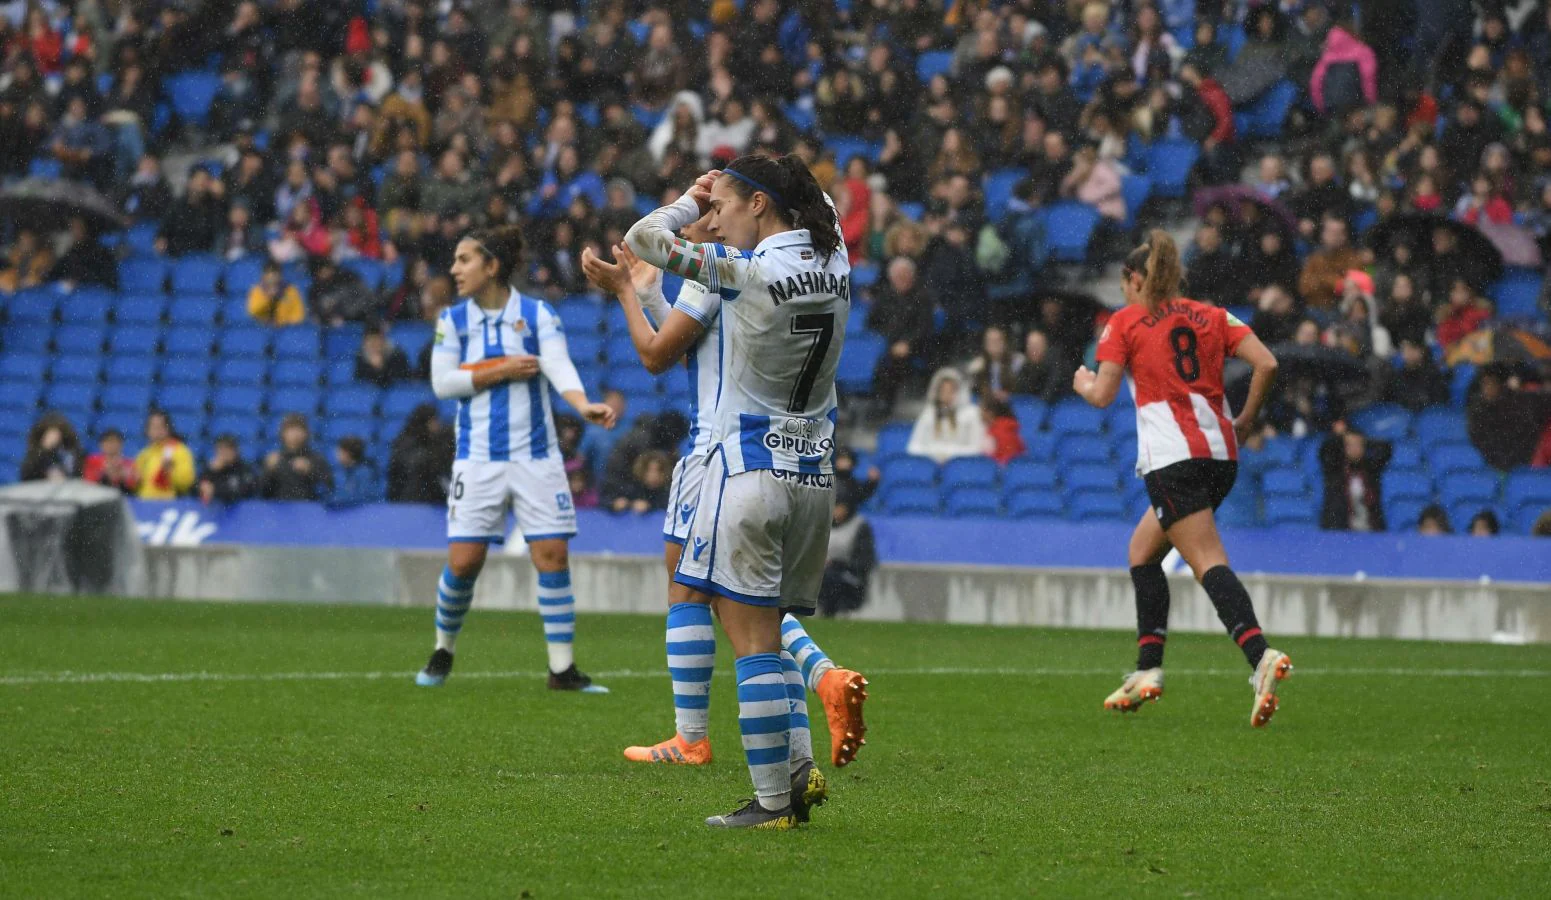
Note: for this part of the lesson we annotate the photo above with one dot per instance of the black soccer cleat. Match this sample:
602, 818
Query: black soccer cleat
809, 789
435, 671
752, 815
573, 679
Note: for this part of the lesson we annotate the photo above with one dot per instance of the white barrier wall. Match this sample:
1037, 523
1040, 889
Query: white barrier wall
979, 595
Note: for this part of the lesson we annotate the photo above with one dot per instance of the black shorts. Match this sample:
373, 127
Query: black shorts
1188, 487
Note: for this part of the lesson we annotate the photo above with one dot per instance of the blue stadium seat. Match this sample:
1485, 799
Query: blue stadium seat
248, 430
1288, 482
1386, 421
234, 311
196, 275
45, 167
193, 312
302, 400
400, 400
911, 501
969, 472
1461, 487
241, 275
297, 342
333, 429
20, 397
614, 321
1039, 446
339, 373
183, 400
1169, 163
1069, 228
358, 400
191, 94
893, 439
1440, 426
414, 337
857, 362
1087, 507
128, 423
1089, 479
620, 351
139, 275
370, 270
87, 305
140, 238
342, 341
237, 399
1459, 385
909, 471
82, 339
186, 369
1079, 449
632, 380
844, 147
28, 337
87, 369
1447, 458
1035, 504
1289, 512
1527, 490
140, 309
76, 400
1402, 513
1029, 411
392, 276
1074, 416
1122, 441
135, 340
1461, 513
863, 275
997, 187
1027, 475
1405, 455
241, 372
1407, 484
23, 366
131, 398
584, 348
933, 63
1517, 295
33, 306
581, 315
297, 373
1263, 118
244, 341
645, 404
1134, 189
973, 502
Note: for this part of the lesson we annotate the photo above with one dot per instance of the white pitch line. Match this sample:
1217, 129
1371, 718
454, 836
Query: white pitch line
41, 678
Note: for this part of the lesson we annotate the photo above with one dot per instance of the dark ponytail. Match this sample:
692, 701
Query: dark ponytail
1157, 261
794, 193
502, 243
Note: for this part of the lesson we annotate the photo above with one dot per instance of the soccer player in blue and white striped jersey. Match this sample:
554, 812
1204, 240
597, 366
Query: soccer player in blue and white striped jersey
498, 352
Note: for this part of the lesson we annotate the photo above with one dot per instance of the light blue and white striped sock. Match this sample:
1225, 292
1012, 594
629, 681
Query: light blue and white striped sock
795, 640
453, 597
691, 656
558, 610
797, 696
765, 720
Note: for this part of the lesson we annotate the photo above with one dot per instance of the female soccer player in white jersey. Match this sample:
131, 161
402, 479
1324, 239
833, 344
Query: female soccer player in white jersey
691, 637
498, 352
760, 530
1187, 452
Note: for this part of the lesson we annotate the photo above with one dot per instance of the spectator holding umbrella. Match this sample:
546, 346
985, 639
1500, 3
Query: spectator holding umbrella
1505, 418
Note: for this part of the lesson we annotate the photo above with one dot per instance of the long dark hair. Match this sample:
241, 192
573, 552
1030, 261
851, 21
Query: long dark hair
502, 243
793, 192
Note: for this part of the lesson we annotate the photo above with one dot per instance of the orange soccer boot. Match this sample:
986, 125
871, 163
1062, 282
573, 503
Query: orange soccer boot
843, 692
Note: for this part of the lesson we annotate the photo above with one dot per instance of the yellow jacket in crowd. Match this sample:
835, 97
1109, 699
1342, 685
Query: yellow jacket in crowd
166, 470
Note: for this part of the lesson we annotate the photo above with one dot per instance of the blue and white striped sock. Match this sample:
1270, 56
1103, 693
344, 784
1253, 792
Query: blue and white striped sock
558, 610
453, 597
797, 697
691, 656
765, 720
795, 640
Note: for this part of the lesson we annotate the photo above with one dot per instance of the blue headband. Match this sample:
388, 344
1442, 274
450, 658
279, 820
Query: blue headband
780, 201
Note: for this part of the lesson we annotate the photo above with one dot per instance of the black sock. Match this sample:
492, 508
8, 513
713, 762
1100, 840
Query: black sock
1235, 611
1152, 614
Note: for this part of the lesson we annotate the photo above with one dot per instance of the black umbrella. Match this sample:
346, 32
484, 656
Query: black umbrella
1485, 259
49, 204
1317, 361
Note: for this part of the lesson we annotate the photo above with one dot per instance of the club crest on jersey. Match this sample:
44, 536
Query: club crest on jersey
520, 326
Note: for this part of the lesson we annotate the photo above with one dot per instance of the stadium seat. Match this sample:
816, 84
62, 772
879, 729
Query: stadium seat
911, 501
400, 400
132, 398
140, 238
1405, 455
20, 397
1289, 512
1287, 482
1461, 513
1035, 504
140, 309
933, 63
1088, 507
193, 312
1459, 384
28, 337
80, 339
1407, 484
297, 373
1069, 228
248, 430
863, 275
585, 348
645, 404
1440, 426
370, 270
1461, 487
76, 400
238, 400
1074, 416
973, 502
844, 147
196, 275
1386, 421
1027, 475
1039, 446
186, 369
1134, 189
359, 400
87, 305
33, 306
1402, 513
581, 315
854, 374
1263, 118
1029, 410
909, 471
620, 351
1444, 459
997, 187
241, 275
614, 322
339, 373
1517, 295
1080, 449
81, 369
244, 341
183, 400
392, 275
139, 275
135, 340
1090, 479
1527, 490
342, 341
414, 337
241, 372
191, 94
969, 472
297, 342
23, 366
128, 423
46, 168
893, 439
1169, 164
302, 400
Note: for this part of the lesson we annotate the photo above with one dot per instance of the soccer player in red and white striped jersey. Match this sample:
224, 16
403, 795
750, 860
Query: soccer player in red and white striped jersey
1187, 454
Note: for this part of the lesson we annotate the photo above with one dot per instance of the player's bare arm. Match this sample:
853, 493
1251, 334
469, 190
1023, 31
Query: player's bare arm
1263, 362
1098, 388
659, 350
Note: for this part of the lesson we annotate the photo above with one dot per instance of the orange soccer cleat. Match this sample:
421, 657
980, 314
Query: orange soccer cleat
843, 692
674, 750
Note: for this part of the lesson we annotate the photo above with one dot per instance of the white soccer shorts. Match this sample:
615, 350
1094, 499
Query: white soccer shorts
759, 537
683, 495
535, 491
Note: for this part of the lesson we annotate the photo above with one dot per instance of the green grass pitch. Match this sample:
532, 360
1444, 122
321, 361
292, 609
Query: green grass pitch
1393, 769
